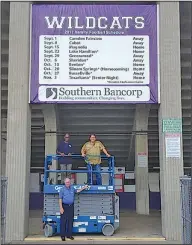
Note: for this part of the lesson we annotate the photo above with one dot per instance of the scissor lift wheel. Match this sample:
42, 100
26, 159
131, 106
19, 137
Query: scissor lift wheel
108, 230
48, 230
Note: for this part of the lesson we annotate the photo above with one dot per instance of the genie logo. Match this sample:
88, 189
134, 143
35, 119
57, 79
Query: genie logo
77, 187
80, 187
58, 188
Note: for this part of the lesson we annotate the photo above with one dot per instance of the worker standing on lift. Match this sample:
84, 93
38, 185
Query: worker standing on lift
92, 151
64, 149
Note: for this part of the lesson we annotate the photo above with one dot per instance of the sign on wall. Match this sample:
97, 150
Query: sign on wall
94, 53
173, 145
172, 125
142, 160
172, 128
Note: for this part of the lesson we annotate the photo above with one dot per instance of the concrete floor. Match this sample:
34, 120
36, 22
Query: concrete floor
132, 226
76, 241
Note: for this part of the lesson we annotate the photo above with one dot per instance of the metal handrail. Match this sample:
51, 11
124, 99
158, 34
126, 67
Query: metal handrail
50, 158
77, 171
78, 155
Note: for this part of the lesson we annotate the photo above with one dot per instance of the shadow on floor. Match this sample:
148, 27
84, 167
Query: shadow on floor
131, 224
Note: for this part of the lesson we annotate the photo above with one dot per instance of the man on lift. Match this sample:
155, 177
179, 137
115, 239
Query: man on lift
92, 151
64, 149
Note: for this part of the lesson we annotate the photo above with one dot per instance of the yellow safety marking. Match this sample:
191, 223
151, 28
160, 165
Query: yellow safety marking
97, 238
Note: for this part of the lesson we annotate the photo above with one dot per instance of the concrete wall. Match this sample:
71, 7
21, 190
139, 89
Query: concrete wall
171, 169
18, 124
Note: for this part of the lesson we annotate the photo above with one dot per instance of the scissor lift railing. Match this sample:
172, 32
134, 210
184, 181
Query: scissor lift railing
54, 188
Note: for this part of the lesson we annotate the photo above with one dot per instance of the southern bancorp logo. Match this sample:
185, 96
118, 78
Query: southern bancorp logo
51, 93
58, 188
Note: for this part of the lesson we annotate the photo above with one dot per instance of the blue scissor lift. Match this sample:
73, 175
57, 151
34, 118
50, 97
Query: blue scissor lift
96, 210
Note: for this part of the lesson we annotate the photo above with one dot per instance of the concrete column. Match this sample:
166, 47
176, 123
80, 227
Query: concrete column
141, 159
170, 81
59, 124
18, 123
3, 145
50, 121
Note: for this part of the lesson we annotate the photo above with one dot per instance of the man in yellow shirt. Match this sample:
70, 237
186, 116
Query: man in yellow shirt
92, 151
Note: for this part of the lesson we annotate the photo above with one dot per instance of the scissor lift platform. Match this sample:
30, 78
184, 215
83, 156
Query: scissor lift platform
96, 210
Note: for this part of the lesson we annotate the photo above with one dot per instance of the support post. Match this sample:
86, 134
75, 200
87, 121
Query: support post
50, 121
141, 159
171, 168
3, 145
18, 151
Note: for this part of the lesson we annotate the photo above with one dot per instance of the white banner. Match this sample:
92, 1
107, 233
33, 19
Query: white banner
94, 60
96, 93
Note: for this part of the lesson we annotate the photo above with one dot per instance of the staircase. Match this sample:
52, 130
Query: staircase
153, 137
112, 124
